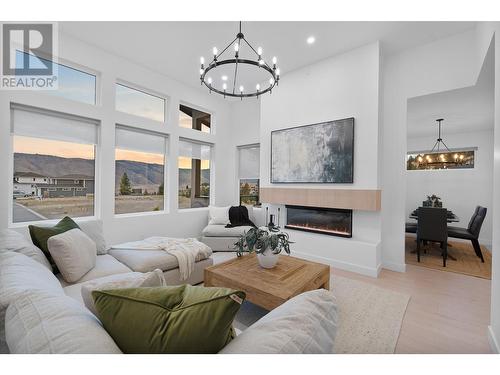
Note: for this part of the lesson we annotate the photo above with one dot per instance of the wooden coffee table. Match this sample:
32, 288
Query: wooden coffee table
269, 288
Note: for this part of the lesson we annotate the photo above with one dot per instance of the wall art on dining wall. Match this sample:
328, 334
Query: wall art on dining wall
318, 153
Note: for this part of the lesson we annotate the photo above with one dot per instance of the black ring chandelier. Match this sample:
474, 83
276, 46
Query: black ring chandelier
259, 63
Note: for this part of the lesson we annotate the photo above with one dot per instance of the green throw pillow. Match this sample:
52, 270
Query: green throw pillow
173, 319
40, 235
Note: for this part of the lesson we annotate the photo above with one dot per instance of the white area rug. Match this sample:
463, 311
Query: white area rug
369, 318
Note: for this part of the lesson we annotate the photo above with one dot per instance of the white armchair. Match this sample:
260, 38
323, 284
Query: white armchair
220, 238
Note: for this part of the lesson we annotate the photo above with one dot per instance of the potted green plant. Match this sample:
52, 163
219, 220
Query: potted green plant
266, 243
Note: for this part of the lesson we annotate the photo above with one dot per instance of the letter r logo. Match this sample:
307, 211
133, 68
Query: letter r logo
27, 49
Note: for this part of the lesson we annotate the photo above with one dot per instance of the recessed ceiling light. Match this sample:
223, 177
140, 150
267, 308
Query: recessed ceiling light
224, 78
311, 40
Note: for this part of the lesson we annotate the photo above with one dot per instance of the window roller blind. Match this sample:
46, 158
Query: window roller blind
194, 150
249, 162
55, 126
140, 141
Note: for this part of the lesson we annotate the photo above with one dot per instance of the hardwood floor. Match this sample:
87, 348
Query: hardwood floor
447, 312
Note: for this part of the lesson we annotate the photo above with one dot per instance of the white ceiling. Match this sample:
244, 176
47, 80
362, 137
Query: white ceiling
463, 110
174, 48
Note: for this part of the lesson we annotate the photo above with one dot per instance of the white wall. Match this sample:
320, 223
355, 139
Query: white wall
447, 64
486, 31
339, 87
443, 65
461, 189
109, 69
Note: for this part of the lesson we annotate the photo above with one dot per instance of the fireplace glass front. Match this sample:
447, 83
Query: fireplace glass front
331, 221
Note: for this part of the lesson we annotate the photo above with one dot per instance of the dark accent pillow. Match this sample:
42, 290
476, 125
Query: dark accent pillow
169, 320
40, 235
238, 216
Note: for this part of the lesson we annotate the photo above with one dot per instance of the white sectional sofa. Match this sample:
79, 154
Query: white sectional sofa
40, 313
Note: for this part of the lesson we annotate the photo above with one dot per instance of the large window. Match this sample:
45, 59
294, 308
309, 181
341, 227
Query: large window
139, 171
194, 119
194, 174
72, 83
139, 103
54, 165
248, 173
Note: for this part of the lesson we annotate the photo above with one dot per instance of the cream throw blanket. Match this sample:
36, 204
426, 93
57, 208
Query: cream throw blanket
186, 250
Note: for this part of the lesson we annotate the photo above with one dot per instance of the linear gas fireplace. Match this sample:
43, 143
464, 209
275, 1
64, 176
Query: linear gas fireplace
331, 221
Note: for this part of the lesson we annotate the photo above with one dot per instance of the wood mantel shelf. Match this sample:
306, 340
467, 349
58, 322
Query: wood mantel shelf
364, 200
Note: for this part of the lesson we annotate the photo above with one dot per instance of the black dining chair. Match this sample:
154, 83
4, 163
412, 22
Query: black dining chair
411, 227
472, 231
432, 227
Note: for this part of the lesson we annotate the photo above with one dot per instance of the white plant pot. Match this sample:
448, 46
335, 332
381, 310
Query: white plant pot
268, 259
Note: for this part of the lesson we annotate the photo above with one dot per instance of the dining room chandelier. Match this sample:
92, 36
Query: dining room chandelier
439, 140
442, 157
231, 57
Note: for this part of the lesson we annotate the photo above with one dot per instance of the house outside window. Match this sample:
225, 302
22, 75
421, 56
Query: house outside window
47, 146
248, 174
194, 174
195, 119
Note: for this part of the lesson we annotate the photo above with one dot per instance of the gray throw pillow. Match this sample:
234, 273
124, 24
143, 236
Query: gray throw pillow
74, 254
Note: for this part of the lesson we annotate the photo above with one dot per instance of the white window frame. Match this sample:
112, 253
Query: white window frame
166, 100
198, 108
211, 197
82, 68
166, 190
97, 168
238, 179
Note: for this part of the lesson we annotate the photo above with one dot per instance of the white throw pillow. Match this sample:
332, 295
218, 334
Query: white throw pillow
218, 215
11, 240
305, 324
19, 274
93, 229
42, 323
120, 281
74, 253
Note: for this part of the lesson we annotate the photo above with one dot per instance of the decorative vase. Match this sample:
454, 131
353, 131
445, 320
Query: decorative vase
268, 259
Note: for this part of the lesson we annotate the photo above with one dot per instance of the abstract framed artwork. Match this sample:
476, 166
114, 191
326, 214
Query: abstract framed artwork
317, 153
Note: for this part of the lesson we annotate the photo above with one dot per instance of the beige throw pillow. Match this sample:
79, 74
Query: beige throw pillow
93, 229
120, 281
74, 253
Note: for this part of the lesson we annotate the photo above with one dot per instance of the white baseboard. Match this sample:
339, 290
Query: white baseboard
493, 341
367, 271
397, 267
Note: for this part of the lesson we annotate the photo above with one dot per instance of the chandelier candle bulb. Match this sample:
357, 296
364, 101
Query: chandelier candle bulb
202, 60
259, 52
